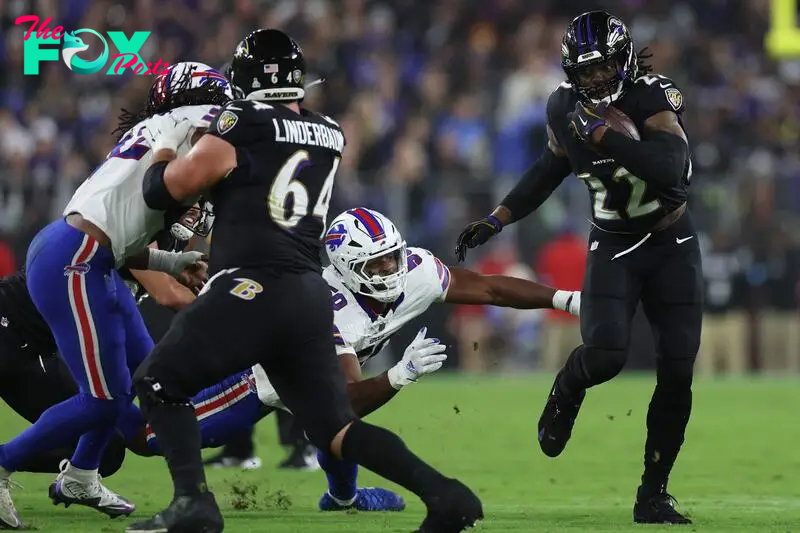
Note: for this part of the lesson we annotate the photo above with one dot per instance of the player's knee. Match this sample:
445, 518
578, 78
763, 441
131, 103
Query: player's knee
675, 373
602, 364
113, 457
153, 392
105, 409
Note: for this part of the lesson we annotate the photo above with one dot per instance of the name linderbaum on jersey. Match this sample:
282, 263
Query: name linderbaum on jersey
642, 246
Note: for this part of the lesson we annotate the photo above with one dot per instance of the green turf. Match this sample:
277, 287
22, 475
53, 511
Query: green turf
737, 472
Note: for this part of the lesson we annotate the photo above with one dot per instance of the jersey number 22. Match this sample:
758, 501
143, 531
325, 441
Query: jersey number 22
636, 207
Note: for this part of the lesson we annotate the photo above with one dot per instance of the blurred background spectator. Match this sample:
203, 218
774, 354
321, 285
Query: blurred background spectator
443, 104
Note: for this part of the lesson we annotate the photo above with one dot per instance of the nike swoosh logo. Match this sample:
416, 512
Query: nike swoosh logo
664, 85
681, 241
582, 121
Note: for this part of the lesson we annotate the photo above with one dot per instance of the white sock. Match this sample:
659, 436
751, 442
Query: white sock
344, 503
78, 474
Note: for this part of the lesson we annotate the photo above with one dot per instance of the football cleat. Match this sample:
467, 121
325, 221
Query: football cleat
227, 461
68, 490
557, 420
455, 510
303, 458
186, 514
657, 509
368, 499
9, 518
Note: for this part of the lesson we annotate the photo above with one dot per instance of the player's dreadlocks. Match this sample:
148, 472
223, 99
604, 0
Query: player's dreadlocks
181, 94
643, 67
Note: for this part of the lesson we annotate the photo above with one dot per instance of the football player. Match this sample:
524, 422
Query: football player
643, 242
269, 167
377, 285
73, 281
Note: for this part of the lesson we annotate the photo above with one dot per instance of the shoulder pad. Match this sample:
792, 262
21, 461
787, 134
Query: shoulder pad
558, 102
236, 120
427, 274
656, 93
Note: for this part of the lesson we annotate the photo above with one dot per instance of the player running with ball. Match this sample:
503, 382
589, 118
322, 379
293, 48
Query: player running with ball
643, 243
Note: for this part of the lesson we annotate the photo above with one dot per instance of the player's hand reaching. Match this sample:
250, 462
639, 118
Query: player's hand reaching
163, 132
477, 233
190, 268
586, 119
423, 356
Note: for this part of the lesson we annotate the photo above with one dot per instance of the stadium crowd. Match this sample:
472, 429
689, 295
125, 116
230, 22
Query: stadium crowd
443, 103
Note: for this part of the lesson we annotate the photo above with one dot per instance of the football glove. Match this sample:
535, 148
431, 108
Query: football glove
476, 234
163, 132
584, 120
173, 263
423, 356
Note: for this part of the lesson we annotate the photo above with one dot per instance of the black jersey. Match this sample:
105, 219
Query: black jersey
271, 210
20, 318
621, 202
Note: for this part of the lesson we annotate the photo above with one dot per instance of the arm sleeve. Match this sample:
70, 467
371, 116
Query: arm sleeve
542, 178
536, 184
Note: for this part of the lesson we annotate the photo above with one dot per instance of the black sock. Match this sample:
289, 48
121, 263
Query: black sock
178, 437
384, 453
667, 418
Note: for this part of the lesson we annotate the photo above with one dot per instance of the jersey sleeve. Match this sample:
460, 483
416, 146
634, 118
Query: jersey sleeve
428, 274
657, 93
343, 346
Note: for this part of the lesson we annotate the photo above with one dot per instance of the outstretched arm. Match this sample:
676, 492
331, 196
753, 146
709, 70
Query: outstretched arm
468, 287
534, 187
422, 356
366, 395
536, 184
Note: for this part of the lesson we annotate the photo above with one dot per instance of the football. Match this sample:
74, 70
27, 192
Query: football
619, 121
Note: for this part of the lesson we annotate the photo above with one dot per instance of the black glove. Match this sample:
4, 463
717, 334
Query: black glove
477, 233
584, 120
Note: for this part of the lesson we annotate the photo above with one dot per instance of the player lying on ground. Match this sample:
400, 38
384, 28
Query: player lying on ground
643, 243
377, 286
73, 281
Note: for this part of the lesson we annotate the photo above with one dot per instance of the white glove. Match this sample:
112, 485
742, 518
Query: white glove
165, 133
173, 263
569, 301
423, 356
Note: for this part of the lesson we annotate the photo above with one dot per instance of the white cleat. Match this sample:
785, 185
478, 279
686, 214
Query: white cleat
9, 518
74, 486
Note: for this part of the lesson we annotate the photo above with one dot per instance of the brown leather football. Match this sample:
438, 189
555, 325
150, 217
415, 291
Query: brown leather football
619, 121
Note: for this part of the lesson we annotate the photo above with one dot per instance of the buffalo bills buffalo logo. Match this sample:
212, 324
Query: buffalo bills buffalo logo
80, 269
336, 236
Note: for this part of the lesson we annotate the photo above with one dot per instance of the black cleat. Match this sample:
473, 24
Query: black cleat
557, 420
186, 514
303, 458
657, 509
455, 510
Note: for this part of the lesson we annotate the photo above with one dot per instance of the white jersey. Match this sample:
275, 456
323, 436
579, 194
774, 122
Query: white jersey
359, 331
111, 198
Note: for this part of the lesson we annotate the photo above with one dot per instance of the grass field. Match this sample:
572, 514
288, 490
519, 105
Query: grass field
738, 471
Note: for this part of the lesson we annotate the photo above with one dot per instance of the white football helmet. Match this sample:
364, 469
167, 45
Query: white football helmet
187, 75
357, 238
